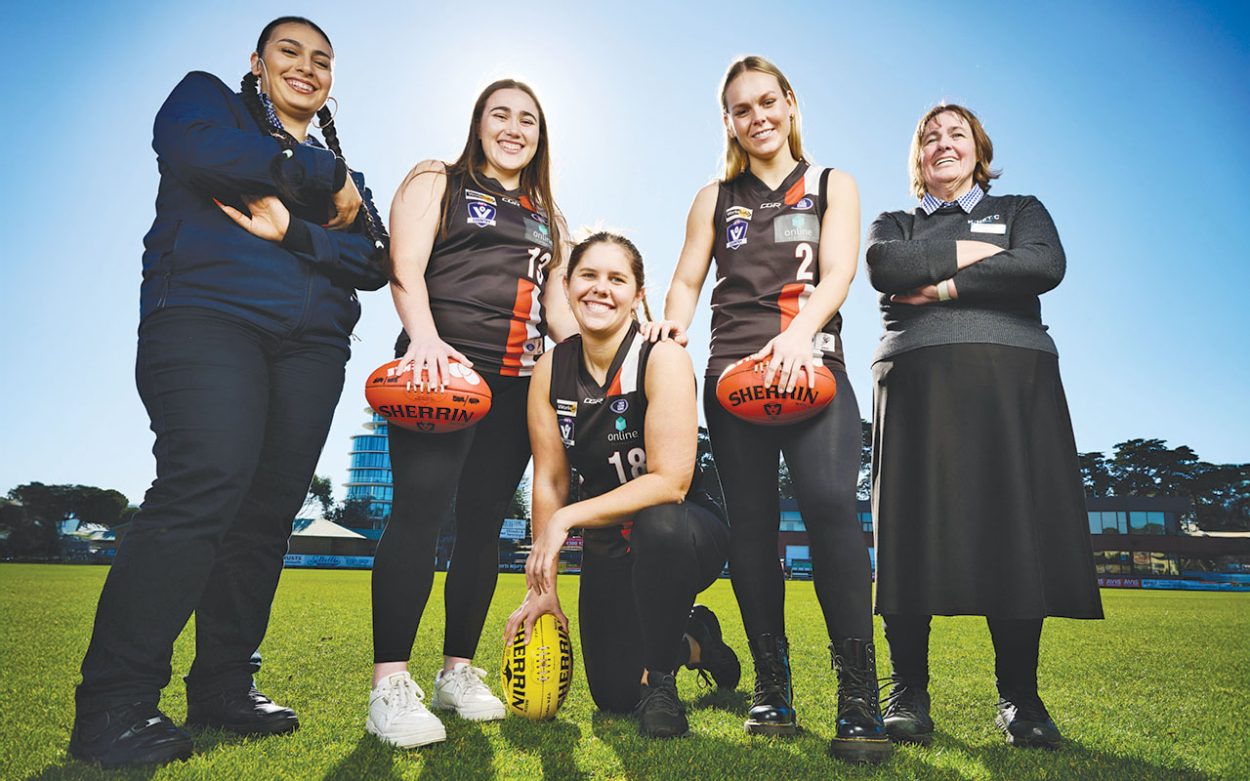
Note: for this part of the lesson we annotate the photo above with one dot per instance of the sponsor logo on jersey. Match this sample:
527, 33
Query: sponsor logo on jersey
474, 195
806, 203
619, 406
510, 201
771, 205
736, 234
481, 214
566, 429
622, 436
737, 213
824, 343
621, 424
796, 227
589, 400
537, 232
566, 407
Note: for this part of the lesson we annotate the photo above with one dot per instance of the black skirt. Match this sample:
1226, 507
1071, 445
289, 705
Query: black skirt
978, 503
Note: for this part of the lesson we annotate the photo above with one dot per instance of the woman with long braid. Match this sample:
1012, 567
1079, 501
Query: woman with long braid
261, 239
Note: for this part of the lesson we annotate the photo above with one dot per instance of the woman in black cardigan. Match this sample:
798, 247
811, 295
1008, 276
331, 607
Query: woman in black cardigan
977, 497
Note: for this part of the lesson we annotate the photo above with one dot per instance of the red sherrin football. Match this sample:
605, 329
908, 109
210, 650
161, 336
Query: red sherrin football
741, 391
464, 400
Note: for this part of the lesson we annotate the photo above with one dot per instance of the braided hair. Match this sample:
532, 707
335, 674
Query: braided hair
366, 218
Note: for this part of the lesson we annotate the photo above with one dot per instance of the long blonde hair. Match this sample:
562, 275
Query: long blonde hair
736, 160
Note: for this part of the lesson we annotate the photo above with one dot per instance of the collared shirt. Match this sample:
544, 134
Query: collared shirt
967, 201
272, 116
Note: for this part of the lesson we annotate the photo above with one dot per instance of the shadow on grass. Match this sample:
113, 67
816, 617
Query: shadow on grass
555, 742
71, 768
466, 754
370, 759
718, 699
1072, 760
701, 757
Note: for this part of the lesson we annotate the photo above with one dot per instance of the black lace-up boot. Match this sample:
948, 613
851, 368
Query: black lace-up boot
860, 735
906, 714
660, 712
1025, 722
716, 658
772, 706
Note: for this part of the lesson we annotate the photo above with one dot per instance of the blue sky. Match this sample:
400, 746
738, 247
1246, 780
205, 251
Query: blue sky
1129, 120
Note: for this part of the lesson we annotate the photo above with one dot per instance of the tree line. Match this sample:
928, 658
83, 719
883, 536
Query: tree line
32, 513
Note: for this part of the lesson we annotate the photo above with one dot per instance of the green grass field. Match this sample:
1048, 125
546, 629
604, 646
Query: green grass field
1158, 690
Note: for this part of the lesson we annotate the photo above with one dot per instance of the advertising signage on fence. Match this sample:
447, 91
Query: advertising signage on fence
328, 562
513, 529
1119, 582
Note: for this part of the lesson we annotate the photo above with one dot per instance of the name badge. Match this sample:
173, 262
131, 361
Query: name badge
988, 227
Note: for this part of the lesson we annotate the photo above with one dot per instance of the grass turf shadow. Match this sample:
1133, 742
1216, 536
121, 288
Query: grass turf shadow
554, 741
466, 755
1071, 760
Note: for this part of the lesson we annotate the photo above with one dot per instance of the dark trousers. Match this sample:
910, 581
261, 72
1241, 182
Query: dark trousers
633, 609
240, 417
1016, 648
823, 455
479, 468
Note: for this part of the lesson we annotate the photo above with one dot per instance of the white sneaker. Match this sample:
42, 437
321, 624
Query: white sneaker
397, 716
463, 689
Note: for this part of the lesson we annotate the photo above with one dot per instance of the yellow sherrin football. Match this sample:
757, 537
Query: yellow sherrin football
536, 676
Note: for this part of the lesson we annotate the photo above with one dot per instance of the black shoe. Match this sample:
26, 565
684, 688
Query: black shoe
660, 712
1025, 722
134, 734
906, 714
860, 733
715, 657
772, 705
243, 712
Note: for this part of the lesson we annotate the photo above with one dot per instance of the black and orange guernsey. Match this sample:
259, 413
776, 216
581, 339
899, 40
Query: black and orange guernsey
486, 276
601, 425
767, 246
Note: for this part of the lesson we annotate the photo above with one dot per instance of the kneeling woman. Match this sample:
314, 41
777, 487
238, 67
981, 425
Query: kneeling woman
621, 411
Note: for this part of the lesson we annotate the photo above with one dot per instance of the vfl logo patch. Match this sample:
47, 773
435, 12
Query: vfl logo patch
481, 214
736, 234
566, 430
619, 406
806, 203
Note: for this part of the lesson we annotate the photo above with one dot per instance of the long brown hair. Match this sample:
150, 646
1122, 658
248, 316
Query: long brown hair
736, 159
535, 177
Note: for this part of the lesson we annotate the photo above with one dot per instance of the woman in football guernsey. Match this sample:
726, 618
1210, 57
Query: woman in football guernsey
261, 238
784, 235
475, 243
969, 400
621, 411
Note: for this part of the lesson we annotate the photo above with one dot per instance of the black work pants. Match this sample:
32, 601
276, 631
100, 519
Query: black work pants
633, 609
240, 417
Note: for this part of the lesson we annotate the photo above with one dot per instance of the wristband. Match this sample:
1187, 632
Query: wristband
944, 290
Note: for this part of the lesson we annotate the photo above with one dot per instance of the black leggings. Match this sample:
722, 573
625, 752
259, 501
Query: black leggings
633, 609
1016, 645
823, 456
479, 468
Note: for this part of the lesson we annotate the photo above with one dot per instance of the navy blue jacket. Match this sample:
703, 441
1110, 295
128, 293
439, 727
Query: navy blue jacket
209, 146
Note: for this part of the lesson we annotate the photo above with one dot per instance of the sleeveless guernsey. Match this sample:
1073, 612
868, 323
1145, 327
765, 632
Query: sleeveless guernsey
766, 248
486, 275
602, 428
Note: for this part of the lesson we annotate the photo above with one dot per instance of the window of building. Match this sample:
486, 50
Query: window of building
1146, 523
1113, 562
792, 522
865, 522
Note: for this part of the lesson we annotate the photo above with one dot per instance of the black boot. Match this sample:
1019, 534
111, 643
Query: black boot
243, 712
1025, 722
716, 658
135, 734
906, 714
860, 735
660, 712
772, 708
